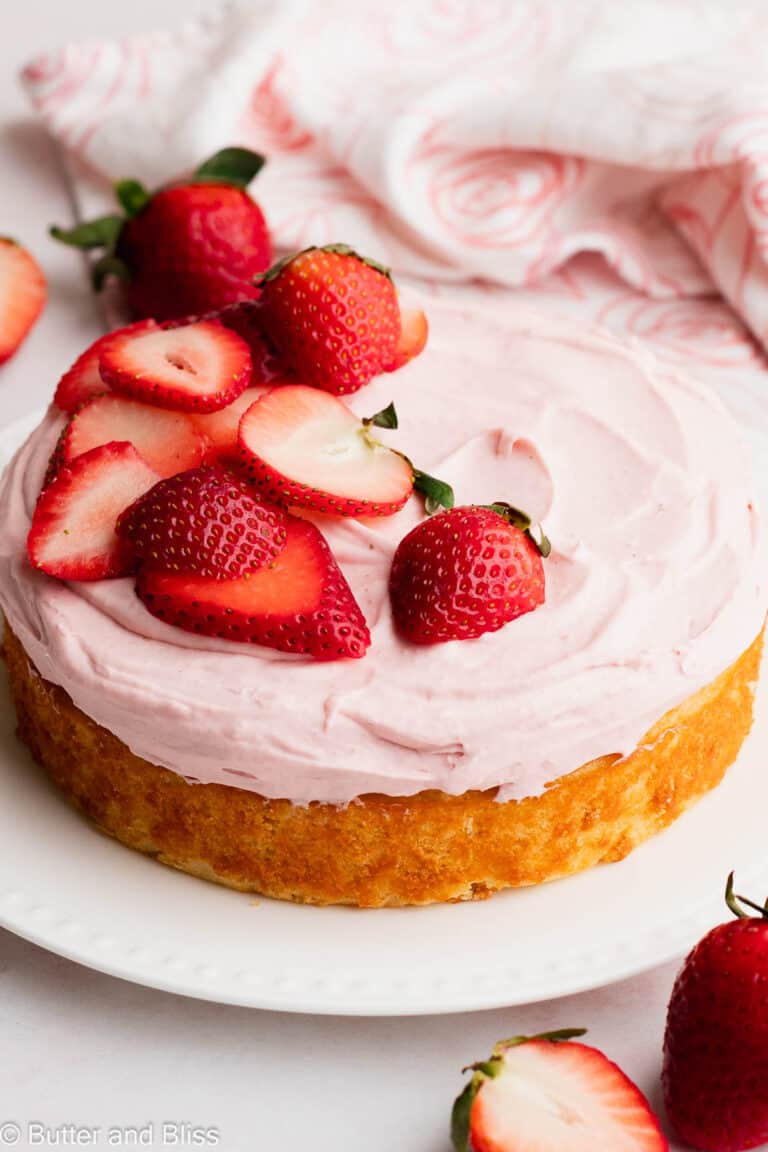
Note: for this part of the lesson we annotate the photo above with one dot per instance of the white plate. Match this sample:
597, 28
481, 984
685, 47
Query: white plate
69, 888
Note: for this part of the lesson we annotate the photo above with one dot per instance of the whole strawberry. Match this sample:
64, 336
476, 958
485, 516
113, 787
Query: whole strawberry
464, 572
332, 317
186, 249
716, 1041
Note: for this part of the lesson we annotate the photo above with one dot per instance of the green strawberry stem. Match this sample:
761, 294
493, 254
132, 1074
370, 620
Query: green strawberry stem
100, 233
488, 1070
340, 250
437, 494
522, 521
387, 418
735, 902
132, 197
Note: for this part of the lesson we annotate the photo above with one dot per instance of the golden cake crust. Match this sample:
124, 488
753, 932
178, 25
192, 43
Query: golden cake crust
383, 850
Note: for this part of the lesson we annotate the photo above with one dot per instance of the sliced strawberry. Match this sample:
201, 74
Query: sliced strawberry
220, 428
22, 295
549, 1094
304, 447
301, 603
414, 331
192, 368
73, 527
168, 441
204, 521
245, 319
83, 380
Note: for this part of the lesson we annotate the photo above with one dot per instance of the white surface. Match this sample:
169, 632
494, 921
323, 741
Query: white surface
79, 1047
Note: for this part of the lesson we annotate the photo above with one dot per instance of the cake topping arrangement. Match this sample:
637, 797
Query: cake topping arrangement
465, 572
73, 529
207, 521
300, 603
186, 249
199, 367
551, 1093
235, 418
716, 1041
22, 295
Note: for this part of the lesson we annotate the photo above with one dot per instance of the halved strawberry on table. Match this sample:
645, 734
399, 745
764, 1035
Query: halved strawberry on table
170, 442
300, 603
205, 521
72, 535
198, 367
304, 447
550, 1093
22, 295
83, 380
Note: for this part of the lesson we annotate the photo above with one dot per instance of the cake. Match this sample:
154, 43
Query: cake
445, 772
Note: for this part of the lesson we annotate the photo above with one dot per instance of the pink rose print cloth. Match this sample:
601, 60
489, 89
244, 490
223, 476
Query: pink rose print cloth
465, 140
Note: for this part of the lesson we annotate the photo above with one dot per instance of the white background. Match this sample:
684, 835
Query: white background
78, 1047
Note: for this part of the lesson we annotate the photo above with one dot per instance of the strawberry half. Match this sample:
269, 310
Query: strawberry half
204, 521
304, 447
83, 380
22, 295
332, 316
169, 441
73, 527
549, 1094
716, 1040
300, 604
465, 572
414, 331
192, 368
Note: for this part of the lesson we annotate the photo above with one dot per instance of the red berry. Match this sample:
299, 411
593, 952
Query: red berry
716, 1041
333, 318
306, 448
197, 367
300, 603
462, 573
170, 442
22, 295
204, 521
73, 527
551, 1094
413, 338
83, 380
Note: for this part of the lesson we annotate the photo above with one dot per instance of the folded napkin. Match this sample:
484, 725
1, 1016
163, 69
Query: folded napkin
467, 139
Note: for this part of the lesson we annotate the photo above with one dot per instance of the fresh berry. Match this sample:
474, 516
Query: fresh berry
301, 603
83, 380
414, 331
73, 527
170, 442
716, 1041
195, 368
204, 521
186, 249
333, 317
306, 448
220, 429
465, 572
22, 295
550, 1094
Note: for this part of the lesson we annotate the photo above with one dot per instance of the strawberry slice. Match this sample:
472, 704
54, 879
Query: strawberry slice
73, 527
22, 295
220, 428
305, 447
193, 368
83, 381
414, 331
205, 521
168, 441
544, 1094
301, 603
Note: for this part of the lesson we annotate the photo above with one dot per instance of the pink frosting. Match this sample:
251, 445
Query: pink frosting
652, 588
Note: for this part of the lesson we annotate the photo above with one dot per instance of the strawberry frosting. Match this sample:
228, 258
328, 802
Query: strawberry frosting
653, 589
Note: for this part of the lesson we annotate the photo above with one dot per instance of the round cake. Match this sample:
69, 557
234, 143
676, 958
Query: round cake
444, 772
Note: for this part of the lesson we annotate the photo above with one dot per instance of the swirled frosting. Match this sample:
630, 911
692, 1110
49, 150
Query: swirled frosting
652, 588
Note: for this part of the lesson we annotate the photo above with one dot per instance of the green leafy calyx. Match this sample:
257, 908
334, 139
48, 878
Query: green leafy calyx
234, 166
737, 904
522, 520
